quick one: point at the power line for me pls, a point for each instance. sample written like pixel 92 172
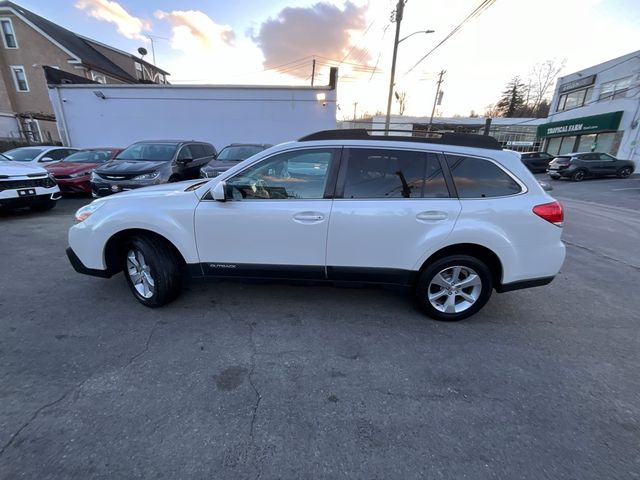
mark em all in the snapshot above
pixel 479 10
pixel 358 42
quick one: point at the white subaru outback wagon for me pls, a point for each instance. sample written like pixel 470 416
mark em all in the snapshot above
pixel 453 218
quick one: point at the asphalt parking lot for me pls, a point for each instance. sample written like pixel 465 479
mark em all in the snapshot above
pixel 278 381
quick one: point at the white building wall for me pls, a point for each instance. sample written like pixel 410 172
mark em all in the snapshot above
pixel 9 127
pixel 615 69
pixel 216 114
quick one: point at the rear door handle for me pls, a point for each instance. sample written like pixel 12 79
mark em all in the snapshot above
pixel 431 216
pixel 308 217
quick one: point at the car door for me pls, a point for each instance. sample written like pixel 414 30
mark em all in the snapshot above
pixel 608 164
pixel 185 160
pixel 542 161
pixel 275 220
pixel 56 155
pixel 391 206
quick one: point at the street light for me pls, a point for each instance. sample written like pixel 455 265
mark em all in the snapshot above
pixel 393 61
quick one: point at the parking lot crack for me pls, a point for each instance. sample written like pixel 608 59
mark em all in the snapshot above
pixel 258 396
pixel 600 254
pixel 76 388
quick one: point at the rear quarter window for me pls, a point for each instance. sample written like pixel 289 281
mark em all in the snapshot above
pixel 479 178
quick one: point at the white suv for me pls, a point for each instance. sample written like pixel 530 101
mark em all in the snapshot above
pixel 453 218
pixel 23 185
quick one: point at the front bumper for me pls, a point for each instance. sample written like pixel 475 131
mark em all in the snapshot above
pixel 103 188
pixel 74 185
pixel 12 199
pixel 80 267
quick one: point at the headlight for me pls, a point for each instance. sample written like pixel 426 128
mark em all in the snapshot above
pixel 50 181
pixel 147 176
pixel 80 174
pixel 88 210
pixel 94 176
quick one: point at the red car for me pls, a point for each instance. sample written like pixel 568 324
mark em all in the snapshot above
pixel 73 173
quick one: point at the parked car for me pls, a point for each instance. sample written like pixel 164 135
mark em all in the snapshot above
pixel 25 185
pixel 231 155
pixel 537 162
pixel 150 163
pixel 73 173
pixel 578 166
pixel 39 154
pixel 452 218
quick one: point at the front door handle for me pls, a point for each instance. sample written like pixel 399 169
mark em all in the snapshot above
pixel 308 217
pixel 431 216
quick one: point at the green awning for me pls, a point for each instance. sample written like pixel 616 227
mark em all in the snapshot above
pixel 605 122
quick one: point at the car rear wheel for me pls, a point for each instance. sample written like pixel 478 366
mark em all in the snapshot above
pixel 454 287
pixel 624 172
pixel 578 175
pixel 152 270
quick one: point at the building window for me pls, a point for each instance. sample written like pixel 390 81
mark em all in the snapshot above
pixel 574 99
pixel 139 73
pixel 32 130
pixel 8 35
pixel 615 89
pixel 20 78
pixel 98 77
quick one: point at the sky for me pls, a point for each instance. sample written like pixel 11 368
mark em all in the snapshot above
pixel 275 42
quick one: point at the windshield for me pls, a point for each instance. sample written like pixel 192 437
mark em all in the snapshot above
pixel 24 154
pixel 157 152
pixel 240 152
pixel 90 156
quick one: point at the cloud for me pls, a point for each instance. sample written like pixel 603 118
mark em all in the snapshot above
pixel 323 30
pixel 109 11
pixel 195 29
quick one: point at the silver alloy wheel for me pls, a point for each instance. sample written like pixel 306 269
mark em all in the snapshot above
pixel 454 289
pixel 578 176
pixel 625 172
pixel 140 274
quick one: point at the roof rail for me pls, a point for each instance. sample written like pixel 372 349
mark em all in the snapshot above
pixel 443 138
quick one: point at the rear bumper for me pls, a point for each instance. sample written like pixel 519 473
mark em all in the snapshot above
pixel 535 282
pixel 79 267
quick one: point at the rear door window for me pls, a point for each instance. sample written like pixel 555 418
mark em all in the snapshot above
pixel 479 178
pixel 198 151
pixel 386 173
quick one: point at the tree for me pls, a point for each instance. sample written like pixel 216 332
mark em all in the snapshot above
pixel 402 100
pixel 512 99
pixel 542 78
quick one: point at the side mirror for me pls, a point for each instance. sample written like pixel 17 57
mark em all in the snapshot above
pixel 46 159
pixel 219 191
pixel 185 160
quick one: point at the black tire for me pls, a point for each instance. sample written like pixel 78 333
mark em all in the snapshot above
pixel 44 206
pixel 578 175
pixel 173 179
pixel 624 172
pixel 164 267
pixel 428 274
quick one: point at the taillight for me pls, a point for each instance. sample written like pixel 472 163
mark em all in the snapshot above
pixel 551 212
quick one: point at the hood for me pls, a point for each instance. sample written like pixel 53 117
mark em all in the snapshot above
pixel 221 165
pixel 10 169
pixel 67 168
pixel 162 190
pixel 116 167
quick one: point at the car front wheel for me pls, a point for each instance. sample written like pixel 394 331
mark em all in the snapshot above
pixel 454 287
pixel 152 271
pixel 624 172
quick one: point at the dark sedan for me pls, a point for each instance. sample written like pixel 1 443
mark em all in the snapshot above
pixel 578 166
pixel 537 162
pixel 151 163
pixel 231 155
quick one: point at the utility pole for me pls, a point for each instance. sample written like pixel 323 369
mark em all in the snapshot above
pixel 355 106
pixel 398 17
pixel 435 100
pixel 313 70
